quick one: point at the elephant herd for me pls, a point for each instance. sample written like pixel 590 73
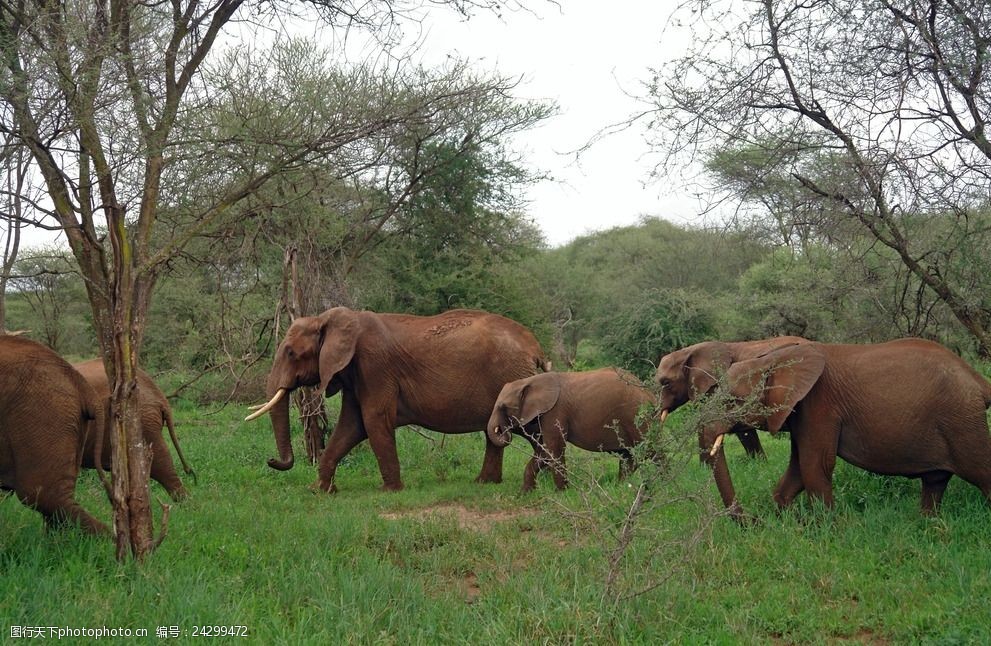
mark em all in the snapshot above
pixel 908 407
pixel 53 418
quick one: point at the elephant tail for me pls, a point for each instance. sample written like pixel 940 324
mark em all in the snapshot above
pixel 94 424
pixel 542 364
pixel 167 418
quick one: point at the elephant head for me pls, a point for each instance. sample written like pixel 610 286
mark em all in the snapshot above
pixel 519 403
pixel 316 349
pixel 774 383
pixel 690 372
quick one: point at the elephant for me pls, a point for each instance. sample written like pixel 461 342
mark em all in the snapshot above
pixel 47 410
pixel 441 372
pixel 691 372
pixel 594 410
pixel 908 407
pixel 155 411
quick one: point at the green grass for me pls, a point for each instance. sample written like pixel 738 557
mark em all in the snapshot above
pixel 450 561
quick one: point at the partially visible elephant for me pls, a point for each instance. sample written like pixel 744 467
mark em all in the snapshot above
pixel 692 372
pixel 155 411
pixel 594 410
pixel 442 372
pixel 47 410
pixel 908 407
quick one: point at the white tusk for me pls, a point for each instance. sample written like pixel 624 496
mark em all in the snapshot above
pixel 715 446
pixel 266 407
pixel 664 416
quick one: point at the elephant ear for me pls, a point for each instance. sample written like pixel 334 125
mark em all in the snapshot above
pixel 538 397
pixel 704 364
pixel 338 338
pixel 781 378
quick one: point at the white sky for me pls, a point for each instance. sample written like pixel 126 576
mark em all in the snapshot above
pixel 592 59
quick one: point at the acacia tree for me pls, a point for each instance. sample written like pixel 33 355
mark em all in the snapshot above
pixel 100 93
pixel 13 169
pixel 876 109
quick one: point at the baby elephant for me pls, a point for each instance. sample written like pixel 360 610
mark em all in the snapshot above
pixel 594 410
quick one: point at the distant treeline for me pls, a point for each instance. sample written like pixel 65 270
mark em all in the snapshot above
pixel 623 296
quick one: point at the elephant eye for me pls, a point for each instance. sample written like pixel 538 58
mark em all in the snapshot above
pixel 665 382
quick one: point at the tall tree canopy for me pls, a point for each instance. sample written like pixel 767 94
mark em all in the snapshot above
pixel 867 117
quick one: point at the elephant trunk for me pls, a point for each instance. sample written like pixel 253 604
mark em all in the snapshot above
pixel 279 414
pixel 498 434
pixel 714 455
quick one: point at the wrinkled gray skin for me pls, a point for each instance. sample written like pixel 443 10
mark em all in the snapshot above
pixel 908 407
pixel 691 372
pixel 154 411
pixel 46 412
pixel 441 372
pixel 594 410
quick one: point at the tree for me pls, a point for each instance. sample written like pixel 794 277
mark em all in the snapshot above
pixel 104 95
pixel 14 168
pixel 875 113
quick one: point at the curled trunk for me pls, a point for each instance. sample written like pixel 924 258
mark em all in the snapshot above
pixel 499 434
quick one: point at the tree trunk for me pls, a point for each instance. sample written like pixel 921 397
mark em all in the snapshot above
pixel 309 401
pixel 314 418
pixel 131 460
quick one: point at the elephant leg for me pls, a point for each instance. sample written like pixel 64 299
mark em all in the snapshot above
pixel 537 462
pixel 380 427
pixel 492 464
pixel 554 446
pixel 627 464
pixel 790 484
pixel 751 443
pixel 971 453
pixel 933 485
pixel 348 433
pixel 162 468
pixel 533 467
pixel 56 503
pixel 817 463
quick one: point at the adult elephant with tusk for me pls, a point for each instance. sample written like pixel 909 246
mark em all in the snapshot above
pixel 692 372
pixel 442 372
pixel 908 407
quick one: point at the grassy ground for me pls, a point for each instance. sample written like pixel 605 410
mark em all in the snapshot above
pixel 450 561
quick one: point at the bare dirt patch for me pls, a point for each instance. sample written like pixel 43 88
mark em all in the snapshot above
pixel 470 519
pixel 472 591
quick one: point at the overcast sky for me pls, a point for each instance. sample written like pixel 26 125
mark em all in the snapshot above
pixel 592 60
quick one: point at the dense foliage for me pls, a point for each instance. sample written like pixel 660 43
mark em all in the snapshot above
pixel 623 296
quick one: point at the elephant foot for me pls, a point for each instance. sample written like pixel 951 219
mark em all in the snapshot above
pixel 486 478
pixel 323 487
pixel 740 517
pixel 178 495
pixel 396 486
